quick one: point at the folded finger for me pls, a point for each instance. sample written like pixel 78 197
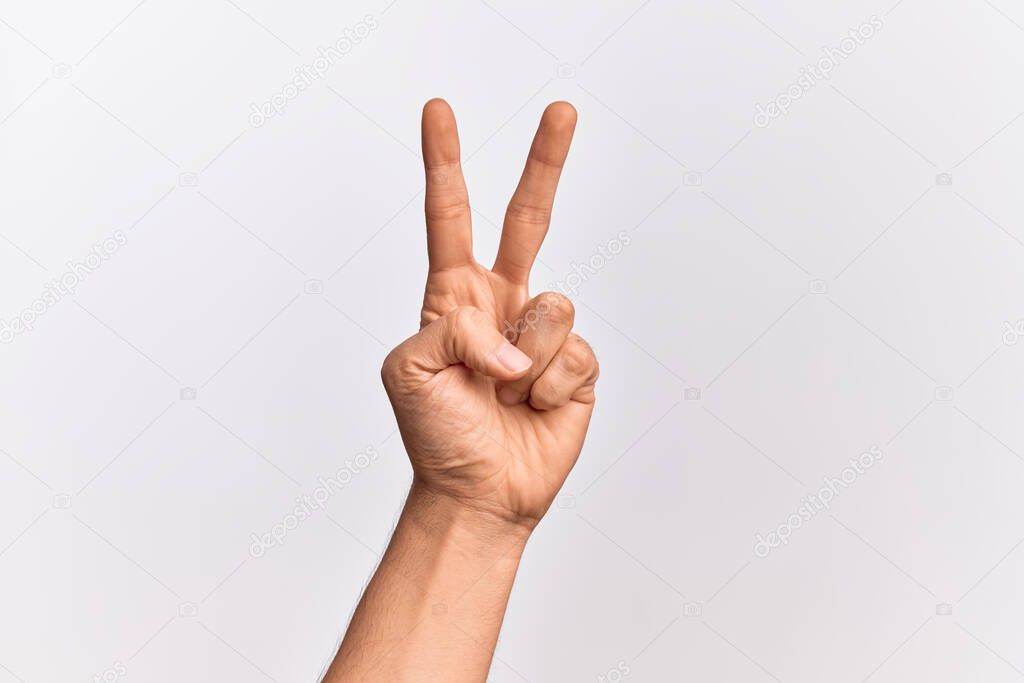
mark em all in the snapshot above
pixel 465 336
pixel 570 376
pixel 544 326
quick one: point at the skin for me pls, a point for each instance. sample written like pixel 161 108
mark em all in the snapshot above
pixel 493 397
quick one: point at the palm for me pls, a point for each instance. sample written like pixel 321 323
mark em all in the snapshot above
pixel 471 285
pixel 460 437
pixel 515 454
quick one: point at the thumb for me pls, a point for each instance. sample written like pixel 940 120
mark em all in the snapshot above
pixel 466 335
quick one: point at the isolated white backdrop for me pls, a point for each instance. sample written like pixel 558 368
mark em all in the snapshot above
pixel 790 296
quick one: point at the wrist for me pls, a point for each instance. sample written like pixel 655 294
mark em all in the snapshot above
pixel 473 528
pixel 438 597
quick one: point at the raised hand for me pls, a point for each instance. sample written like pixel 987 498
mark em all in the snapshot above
pixel 493 396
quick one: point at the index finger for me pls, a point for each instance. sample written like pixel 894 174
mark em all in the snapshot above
pixel 529 211
pixel 449 226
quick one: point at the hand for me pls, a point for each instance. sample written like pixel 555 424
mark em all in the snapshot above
pixel 494 395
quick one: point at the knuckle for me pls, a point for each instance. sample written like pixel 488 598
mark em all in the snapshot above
pixel 436 211
pixel 531 214
pixel 393 368
pixel 578 359
pixel 427 317
pixel 542 398
pixel 556 307
pixel 460 322
pixel 450 165
pixel 586 394
pixel 461 317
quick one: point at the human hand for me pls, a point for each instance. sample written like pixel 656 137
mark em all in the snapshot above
pixel 492 421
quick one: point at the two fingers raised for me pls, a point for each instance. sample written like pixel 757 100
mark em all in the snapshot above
pixel 449 219
pixel 547 366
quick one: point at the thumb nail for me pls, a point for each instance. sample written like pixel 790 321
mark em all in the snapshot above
pixel 512 359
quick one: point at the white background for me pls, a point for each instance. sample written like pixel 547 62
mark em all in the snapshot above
pixel 811 279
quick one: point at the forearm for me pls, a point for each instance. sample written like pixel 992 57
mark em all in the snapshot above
pixel 491 422
pixel 435 605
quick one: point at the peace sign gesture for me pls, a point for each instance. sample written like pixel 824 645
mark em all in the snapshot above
pixel 493 396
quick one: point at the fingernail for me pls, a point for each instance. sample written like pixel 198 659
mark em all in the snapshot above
pixel 512 358
pixel 508 396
